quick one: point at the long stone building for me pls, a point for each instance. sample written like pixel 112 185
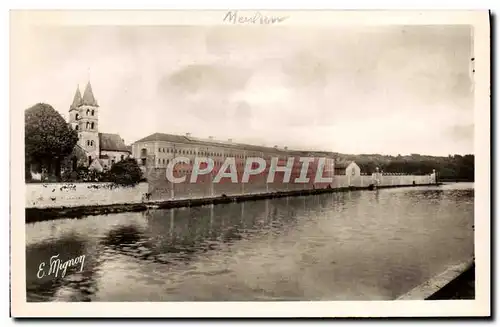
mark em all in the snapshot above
pixel 154 152
pixel 158 149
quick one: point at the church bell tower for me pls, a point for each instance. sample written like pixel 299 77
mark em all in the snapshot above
pixel 83 117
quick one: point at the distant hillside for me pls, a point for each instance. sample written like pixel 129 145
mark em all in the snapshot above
pixel 454 167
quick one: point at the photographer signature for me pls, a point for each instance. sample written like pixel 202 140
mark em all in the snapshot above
pixel 56 266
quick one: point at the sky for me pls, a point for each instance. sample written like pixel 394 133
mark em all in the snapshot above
pixel 379 89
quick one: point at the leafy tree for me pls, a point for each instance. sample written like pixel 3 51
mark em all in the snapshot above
pixel 125 173
pixel 48 138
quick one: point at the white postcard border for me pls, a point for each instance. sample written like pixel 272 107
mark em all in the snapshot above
pixel 478 307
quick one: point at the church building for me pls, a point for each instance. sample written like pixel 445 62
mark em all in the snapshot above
pixel 98 151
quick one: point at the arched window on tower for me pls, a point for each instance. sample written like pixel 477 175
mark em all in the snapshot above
pixel 76 127
pixel 77 116
pixel 92 125
pixel 92 112
pixel 88 110
pixel 88 124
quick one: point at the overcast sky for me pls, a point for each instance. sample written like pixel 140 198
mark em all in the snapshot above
pixel 390 90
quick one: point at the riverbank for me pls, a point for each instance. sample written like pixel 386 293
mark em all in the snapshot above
pixel 461 288
pixel 41 214
pixel 456 180
pixel 456 282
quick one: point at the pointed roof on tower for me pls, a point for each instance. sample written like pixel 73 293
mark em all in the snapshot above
pixel 77 99
pixel 88 96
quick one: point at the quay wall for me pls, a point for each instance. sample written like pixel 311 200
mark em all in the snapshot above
pixel 158 188
pixel 53 195
pixel 161 189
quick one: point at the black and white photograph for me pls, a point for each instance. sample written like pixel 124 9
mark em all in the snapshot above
pixel 248 159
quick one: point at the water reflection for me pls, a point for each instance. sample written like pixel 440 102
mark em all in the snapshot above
pixel 340 246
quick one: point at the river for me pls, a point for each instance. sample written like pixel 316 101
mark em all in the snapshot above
pixel 359 245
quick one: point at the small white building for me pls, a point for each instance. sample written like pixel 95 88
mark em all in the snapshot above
pixel 347 168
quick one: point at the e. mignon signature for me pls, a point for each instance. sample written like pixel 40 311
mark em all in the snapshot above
pixel 56 266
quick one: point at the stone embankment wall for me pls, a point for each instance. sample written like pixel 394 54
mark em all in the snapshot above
pixel 161 189
pixel 52 195
pixel 158 188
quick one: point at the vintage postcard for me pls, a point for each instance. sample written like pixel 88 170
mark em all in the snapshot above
pixel 242 163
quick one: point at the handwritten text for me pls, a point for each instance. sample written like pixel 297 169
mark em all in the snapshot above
pixel 57 267
pixel 235 18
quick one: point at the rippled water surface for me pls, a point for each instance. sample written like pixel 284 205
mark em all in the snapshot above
pixel 360 245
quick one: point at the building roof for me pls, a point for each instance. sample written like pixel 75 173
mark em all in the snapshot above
pixel 88 96
pixel 111 142
pixel 164 137
pixel 79 148
pixel 77 99
pixel 342 164
pixel 222 143
pixel 96 164
pixel 201 141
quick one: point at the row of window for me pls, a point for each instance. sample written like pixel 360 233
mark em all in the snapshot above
pixel 238 164
pixel 213 154
pixel 194 152
pixel 189 171
pixel 90 143
pixel 216 163
pixel 282 160
pixel 88 125
pixel 91 112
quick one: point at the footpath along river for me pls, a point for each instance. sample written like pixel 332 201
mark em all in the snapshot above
pixel 359 245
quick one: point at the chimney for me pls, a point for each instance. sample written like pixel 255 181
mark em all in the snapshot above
pixel 188 134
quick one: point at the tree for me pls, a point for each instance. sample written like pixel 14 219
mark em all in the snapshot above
pixel 48 138
pixel 125 173
pixel 453 167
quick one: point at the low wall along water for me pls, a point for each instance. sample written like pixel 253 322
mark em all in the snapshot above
pixel 161 189
pixel 158 188
pixel 52 195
